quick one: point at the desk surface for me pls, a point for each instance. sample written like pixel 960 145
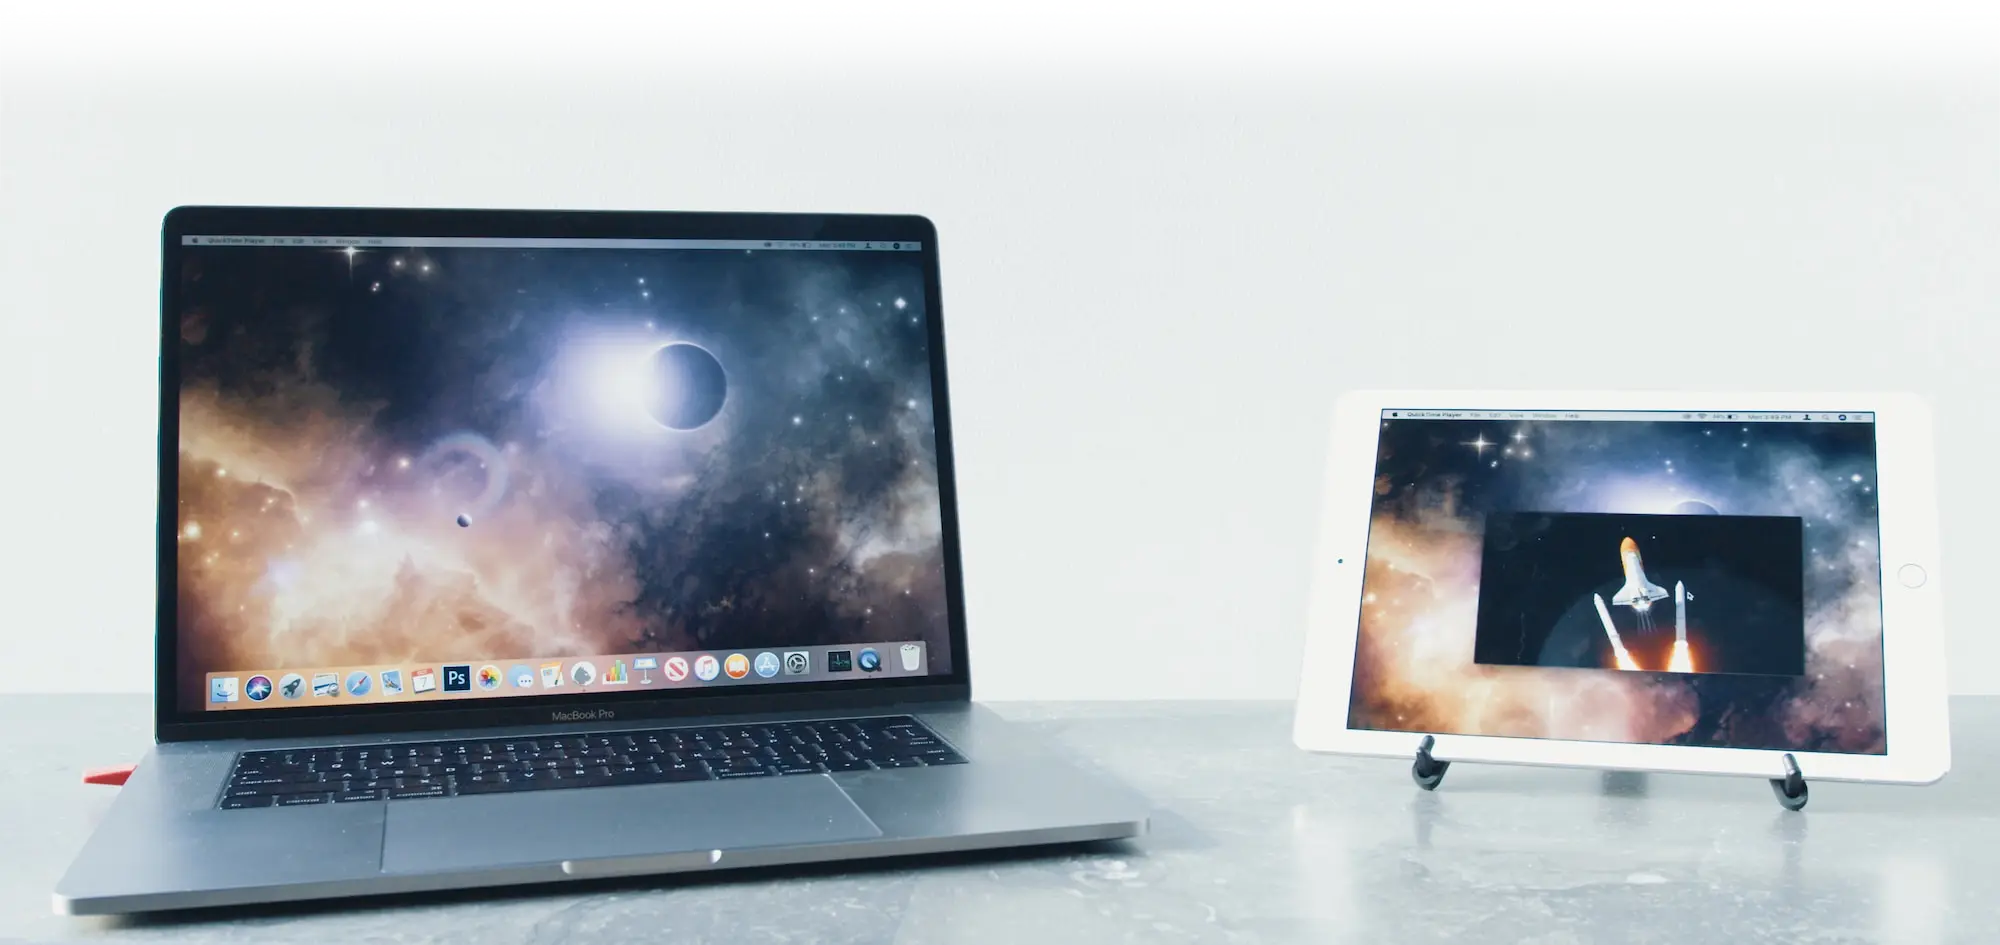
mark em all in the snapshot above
pixel 1253 841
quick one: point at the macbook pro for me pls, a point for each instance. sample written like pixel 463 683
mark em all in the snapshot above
pixel 504 547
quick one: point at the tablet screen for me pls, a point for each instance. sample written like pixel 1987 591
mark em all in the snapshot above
pixel 1702 579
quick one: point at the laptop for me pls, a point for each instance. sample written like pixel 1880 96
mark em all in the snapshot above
pixel 507 547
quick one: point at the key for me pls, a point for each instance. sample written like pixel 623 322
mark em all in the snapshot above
pixel 435 790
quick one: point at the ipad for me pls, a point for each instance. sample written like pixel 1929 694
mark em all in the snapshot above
pixel 1697 582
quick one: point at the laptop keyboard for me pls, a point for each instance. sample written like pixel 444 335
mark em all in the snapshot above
pixel 605 759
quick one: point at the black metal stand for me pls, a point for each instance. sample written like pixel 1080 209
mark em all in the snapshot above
pixel 1790 789
pixel 1428 772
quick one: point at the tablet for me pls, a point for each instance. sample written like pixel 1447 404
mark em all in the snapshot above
pixel 1697 582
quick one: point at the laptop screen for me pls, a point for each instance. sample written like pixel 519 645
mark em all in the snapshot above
pixel 1706 579
pixel 429 469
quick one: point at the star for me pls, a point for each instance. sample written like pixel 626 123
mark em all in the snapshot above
pixel 642 280
pixel 375 287
pixel 902 304
pixel 1479 444
pixel 645 295
pixel 1519 436
pixel 424 267
pixel 398 263
pixel 796 420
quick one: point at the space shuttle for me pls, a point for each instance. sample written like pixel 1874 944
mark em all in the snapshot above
pixel 1638 593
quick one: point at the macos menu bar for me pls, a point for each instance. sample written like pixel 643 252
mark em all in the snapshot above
pixel 1653 416
pixel 363 243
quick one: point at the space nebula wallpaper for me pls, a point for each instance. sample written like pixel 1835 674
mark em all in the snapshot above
pixel 401 455
pixel 1769 529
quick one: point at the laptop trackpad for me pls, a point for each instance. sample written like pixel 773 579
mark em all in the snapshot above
pixel 575 827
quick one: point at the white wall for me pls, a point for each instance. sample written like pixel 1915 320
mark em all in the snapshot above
pixel 1168 242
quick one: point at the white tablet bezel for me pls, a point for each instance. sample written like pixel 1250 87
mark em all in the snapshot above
pixel 1913 636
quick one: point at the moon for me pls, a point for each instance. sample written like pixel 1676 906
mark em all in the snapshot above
pixel 1692 507
pixel 464 521
pixel 688 386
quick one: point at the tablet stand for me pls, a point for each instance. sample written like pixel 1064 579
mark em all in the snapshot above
pixel 1790 790
pixel 1428 772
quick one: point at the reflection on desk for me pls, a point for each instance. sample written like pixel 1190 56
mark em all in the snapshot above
pixel 1253 841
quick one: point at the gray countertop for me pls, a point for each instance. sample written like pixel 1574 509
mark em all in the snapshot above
pixel 1253 841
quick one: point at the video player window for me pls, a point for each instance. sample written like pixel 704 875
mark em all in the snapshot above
pixel 1572 589
pixel 457 468
pixel 1648 577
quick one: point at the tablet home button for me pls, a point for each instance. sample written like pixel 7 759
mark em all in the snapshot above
pixel 1911 576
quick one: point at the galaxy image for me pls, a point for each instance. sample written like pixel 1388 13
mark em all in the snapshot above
pixel 1441 484
pixel 407 455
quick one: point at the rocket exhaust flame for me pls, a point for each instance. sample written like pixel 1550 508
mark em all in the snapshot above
pixel 1625 661
pixel 1680 662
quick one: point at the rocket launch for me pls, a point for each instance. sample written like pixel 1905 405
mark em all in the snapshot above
pixel 1625 660
pixel 1680 661
pixel 1639 594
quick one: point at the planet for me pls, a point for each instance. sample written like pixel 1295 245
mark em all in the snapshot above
pixel 465 521
pixel 1691 507
pixel 688 386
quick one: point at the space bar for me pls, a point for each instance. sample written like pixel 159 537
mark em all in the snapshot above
pixel 550 784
